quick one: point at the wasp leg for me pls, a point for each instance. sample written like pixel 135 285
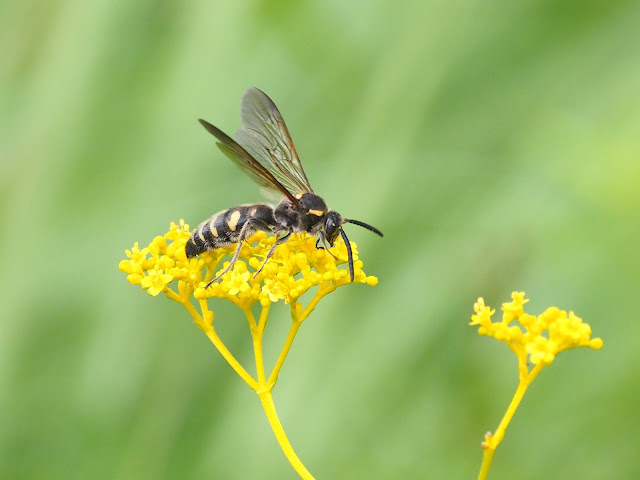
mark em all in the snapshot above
pixel 326 247
pixel 244 234
pixel 271 251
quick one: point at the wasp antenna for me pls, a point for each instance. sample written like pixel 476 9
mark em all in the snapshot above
pixel 365 225
pixel 350 255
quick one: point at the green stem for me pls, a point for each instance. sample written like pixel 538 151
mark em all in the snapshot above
pixel 296 321
pixel 492 441
pixel 215 339
pixel 273 377
pixel 256 335
pixel 270 410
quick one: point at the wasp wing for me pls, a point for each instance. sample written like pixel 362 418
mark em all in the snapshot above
pixel 238 155
pixel 265 136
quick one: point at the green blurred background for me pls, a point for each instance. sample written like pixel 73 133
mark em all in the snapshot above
pixel 496 145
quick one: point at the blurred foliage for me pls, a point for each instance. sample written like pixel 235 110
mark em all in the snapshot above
pixel 495 144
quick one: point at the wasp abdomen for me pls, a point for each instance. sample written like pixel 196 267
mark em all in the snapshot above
pixel 225 228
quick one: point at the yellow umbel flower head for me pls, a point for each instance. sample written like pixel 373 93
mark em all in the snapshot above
pixel 540 338
pixel 296 266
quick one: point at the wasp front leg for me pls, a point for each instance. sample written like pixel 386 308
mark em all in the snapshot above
pixel 326 247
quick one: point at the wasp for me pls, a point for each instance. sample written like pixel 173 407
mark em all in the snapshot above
pixel 264 150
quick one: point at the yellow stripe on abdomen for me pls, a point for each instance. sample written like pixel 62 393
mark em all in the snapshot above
pixel 233 220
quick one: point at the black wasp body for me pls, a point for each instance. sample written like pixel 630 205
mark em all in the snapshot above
pixel 265 151
pixel 224 228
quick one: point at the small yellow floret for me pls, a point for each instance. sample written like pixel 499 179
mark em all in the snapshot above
pixel 137 262
pixel 515 308
pixel 155 281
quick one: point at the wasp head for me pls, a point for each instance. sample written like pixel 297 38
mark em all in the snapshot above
pixel 333 223
pixel 332 226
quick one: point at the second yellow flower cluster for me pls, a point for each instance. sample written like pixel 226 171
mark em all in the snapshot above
pixel 540 338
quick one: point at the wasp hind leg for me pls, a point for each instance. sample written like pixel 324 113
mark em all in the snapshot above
pixel 244 234
pixel 271 252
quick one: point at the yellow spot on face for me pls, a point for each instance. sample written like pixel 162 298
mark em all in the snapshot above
pixel 317 213
pixel 299 195
pixel 253 212
pixel 233 220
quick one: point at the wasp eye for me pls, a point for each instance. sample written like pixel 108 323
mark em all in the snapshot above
pixel 332 227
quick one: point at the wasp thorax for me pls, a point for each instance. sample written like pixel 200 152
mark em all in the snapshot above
pixel 308 217
pixel 313 211
pixel 286 214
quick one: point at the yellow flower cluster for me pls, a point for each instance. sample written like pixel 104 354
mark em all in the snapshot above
pixel 296 266
pixel 540 338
